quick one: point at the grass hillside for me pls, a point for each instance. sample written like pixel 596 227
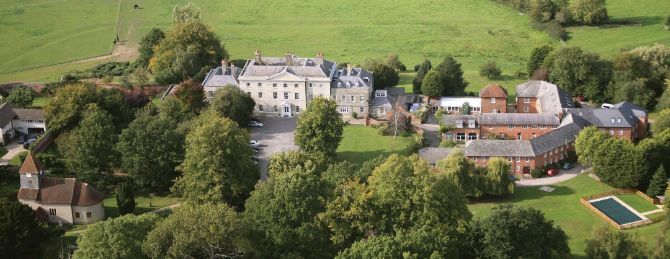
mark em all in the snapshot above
pixel 474 31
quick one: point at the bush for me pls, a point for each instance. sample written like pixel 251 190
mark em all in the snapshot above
pixel 107 79
pixel 417 66
pixel 536 172
pixel 354 115
pixel 383 130
pixel 554 29
pixel 490 70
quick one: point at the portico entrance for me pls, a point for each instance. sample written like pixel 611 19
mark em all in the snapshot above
pixel 286 110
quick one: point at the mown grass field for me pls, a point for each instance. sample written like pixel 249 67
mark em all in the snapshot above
pixel 360 144
pixel 563 207
pixel 474 31
pixel 637 202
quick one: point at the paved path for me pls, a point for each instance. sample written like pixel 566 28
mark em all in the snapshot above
pixel 651 212
pixel 431 132
pixel 561 177
pixel 13 149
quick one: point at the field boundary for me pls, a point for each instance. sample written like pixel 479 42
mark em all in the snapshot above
pixel 585 200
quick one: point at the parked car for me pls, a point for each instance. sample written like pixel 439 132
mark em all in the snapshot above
pixel 254 143
pixel 21 139
pixel 27 144
pixel 256 149
pixel 256 120
pixel 607 106
pixel 568 166
pixel 552 171
pixel 255 124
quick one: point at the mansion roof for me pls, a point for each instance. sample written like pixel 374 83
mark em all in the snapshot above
pixel 552 99
pixel 221 76
pixel 301 67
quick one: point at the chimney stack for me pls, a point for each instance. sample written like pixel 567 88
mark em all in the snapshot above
pixel 258 57
pixel 289 58
pixel 319 58
pixel 224 65
pixel 349 69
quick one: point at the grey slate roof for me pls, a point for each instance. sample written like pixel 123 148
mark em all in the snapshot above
pixel 304 67
pixel 216 77
pixel 606 118
pixel 566 133
pixel 464 120
pixel 6 113
pixel 552 98
pixel 357 78
pixel 518 119
pixel 629 108
pixel 499 148
pixel 391 94
pixel 434 154
pixel 29 114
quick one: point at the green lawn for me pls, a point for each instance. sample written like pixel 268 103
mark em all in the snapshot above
pixel 636 202
pixel 40 102
pixel 38 33
pixel 16 160
pixel 361 143
pixel 563 207
pixel 143 204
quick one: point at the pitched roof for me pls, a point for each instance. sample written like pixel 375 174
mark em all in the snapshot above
pixel 30 165
pixel 493 90
pixel 552 99
pixel 304 67
pixel 217 78
pixel 630 108
pixel 6 114
pixel 357 78
pixel 518 119
pixel 606 118
pixel 85 195
pixel 499 148
pixel 460 120
pixel 434 154
pixel 556 138
pixel 29 114
pixel 62 191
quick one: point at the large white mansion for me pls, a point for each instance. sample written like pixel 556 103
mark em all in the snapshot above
pixel 285 85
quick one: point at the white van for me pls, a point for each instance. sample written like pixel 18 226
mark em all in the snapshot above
pixel 607 106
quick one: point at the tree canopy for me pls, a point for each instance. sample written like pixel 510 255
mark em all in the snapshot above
pixel 420 74
pixel 431 84
pixel 147 44
pixel 451 77
pixel 537 57
pixel 590 12
pixel 385 76
pixel 230 101
pixel 614 244
pixel 125 198
pixel 120 237
pixel 579 72
pixel 20 233
pixel 198 231
pixel 661 122
pixel 187 48
pixel 21 96
pixel 191 94
pixel 320 128
pixel 217 166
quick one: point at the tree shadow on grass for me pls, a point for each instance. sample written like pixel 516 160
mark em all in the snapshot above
pixel 360 157
pixel 524 194
pixel 633 21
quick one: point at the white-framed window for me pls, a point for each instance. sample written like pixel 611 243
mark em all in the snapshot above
pixel 620 132
pixel 260 94
pixel 285 95
pixel 295 85
pixel 297 96
pixel 344 109
pixel 344 98
pixel 361 109
pixel 285 85
pixel 527 159
pixel 52 212
pixel 88 214
pixel 525 126
pixel 518 159
pixel 353 98
pixel 274 95
pixel 260 107
pixel 476 109
pixel 362 98
pixel 533 126
pixel 297 109
pixel 543 126
pixel 493 100
pixel 275 108
pixel 510 126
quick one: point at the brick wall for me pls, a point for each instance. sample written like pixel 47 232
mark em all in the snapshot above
pixel 526 131
pixel 500 105
pixel 526 105
pixel 520 165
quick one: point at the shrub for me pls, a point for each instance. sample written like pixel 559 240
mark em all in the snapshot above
pixel 354 115
pixel 383 130
pixel 490 70
pixel 536 172
pixel 107 79
pixel 417 66
pixel 447 143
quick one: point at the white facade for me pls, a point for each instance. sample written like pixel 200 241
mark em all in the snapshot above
pixel 455 104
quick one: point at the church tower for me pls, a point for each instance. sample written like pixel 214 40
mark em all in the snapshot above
pixel 30 173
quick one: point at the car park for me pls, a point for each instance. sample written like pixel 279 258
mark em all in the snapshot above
pixel 254 143
pixel 568 166
pixel 552 171
pixel 256 124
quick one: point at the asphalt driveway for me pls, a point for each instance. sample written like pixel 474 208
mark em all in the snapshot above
pixel 276 135
pixel 13 149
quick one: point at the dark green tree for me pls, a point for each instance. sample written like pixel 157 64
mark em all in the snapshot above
pixel 614 244
pixel 420 74
pixel 283 214
pixel 431 85
pixel 21 96
pixel 462 172
pixel 537 57
pixel 394 61
pixel 120 237
pixel 587 143
pixel 663 102
pixel 515 232
pixel 590 12
pixel 490 70
pixel 619 163
pixel 151 148
pixel 199 231
pixel 574 70
pixel 542 10
pixel 186 49
pixel 497 178
pixel 230 101
pixel 217 166
pixel 88 150
pixel 20 233
pixel 285 161
pixel 420 242
pixel 125 198
pixel 191 94
pixel 658 184
pixel 320 128
pixel 451 76
pixel 147 44
pixel 385 76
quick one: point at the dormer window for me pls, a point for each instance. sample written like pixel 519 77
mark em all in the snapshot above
pixel 366 79
pixel 618 120
pixel 612 120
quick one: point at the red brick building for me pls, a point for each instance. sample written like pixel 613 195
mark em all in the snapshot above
pixel 493 99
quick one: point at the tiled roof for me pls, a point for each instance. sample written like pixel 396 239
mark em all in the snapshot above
pixel 499 148
pixel 493 90
pixel 630 108
pixel 556 138
pixel 30 165
pixel 518 119
pixel 552 99
pixel 606 118
pixel 434 154
pixel 304 67
pixel 29 114
pixel 217 78
pixel 85 195
pixel 56 190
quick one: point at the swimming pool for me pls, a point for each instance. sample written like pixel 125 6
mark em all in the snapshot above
pixel 613 208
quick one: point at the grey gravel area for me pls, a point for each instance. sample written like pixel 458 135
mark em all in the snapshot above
pixel 276 135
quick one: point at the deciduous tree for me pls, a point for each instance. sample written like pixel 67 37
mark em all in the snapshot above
pixel 120 237
pixel 661 122
pixel 217 166
pixel 574 70
pixel 147 44
pixel 199 231
pixel 490 70
pixel 385 76
pixel 658 184
pixel 320 128
pixel 21 96
pixel 537 57
pixel 394 61
pixel 614 244
pixel 191 94
pixel 590 12
pixel 230 101
pixel 498 177
pixel 20 233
